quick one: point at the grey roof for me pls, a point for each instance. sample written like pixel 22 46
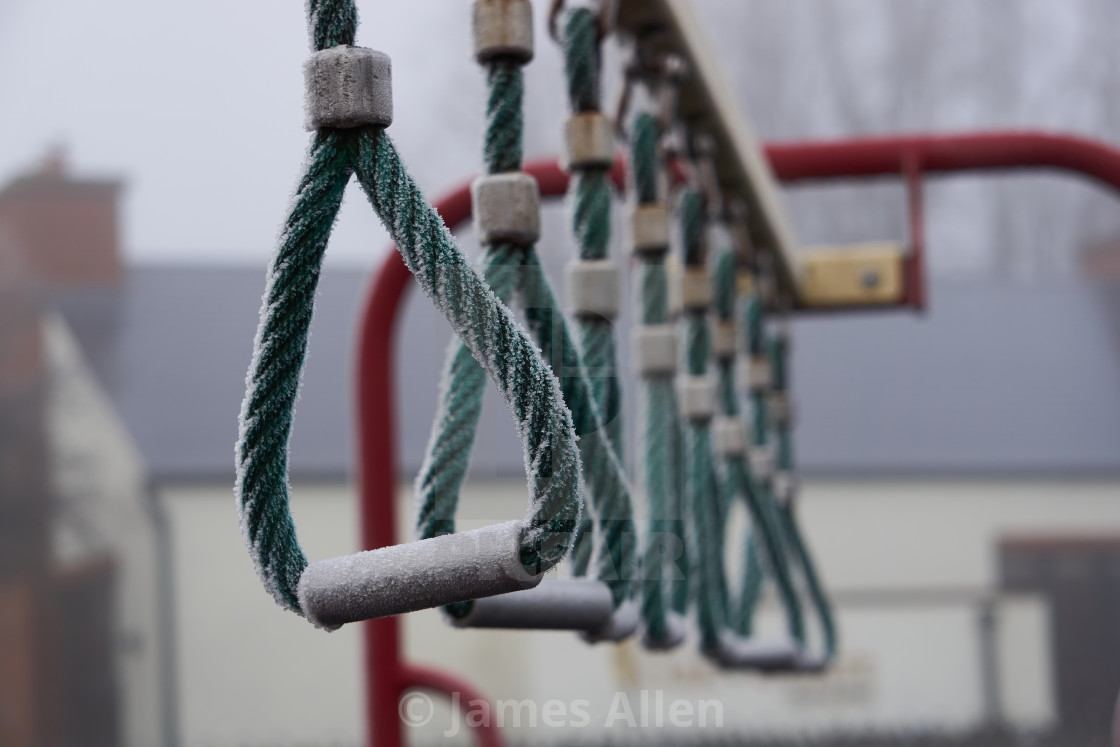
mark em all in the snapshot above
pixel 173 347
pixel 994 378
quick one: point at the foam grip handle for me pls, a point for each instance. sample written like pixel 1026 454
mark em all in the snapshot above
pixel 676 631
pixel 556 604
pixel 811 663
pixel 415 576
pixel 765 654
pixel 623 623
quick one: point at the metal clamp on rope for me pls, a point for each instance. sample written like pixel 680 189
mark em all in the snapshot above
pixel 785 487
pixel 348 87
pixel 556 604
pixel 729 438
pixel 416 575
pixel 655 349
pixel 697 397
pixel 649 225
pixel 502 28
pixel 754 375
pixel 696 289
pixel 589 137
pixel 766 655
pixel 723 339
pixel 762 463
pixel 781 409
pixel 593 288
pixel 676 630
pixel 507 208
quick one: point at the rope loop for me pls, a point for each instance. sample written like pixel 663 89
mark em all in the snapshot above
pixel 483 323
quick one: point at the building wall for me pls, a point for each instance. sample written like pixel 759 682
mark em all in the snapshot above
pixel 911 564
pixel 66 229
pixel 101 515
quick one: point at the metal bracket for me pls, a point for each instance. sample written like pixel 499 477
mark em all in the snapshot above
pixel 862 275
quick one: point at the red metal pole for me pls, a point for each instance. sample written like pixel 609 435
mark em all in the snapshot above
pixel 916 263
pixel 463 696
pixel 988 151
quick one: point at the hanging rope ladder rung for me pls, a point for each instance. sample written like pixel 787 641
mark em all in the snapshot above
pixel 349 104
pixel 507 220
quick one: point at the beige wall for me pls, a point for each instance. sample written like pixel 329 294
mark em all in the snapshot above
pixel 253 674
pixel 100 492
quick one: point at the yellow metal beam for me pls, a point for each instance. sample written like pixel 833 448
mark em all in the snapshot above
pixel 708 105
pixel 853 276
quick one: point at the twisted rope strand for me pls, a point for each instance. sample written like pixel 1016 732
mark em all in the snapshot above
pixel 603 471
pixel 487 327
pixel 700 485
pixel 765 540
pixel 665 559
pixel 272 387
pixel 331 23
pixel 454 432
pixel 779 356
pixel 592 199
pixel 489 330
pixel 447 460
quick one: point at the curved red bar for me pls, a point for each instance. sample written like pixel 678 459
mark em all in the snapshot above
pixel 987 151
pixel 465 697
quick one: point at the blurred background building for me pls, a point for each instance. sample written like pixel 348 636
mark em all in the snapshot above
pixel 962 467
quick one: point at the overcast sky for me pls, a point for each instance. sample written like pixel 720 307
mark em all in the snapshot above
pixel 198 104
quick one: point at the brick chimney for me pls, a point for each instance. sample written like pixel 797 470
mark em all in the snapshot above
pixel 66 228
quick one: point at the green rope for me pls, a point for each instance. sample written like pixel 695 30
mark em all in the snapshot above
pixel 703 498
pixel 441 477
pixel 447 460
pixel 532 393
pixel 766 538
pixel 603 470
pixel 751 593
pixel 279 353
pixel 779 356
pixel 445 469
pixel 581 59
pixel 591 200
pixel 445 466
pixel 711 599
pixel 665 558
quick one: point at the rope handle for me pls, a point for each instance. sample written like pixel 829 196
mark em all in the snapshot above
pixel 512 265
pixel 765 543
pixel 666 554
pixel 485 325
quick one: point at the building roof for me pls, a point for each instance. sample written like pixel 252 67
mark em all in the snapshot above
pixel 993 379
